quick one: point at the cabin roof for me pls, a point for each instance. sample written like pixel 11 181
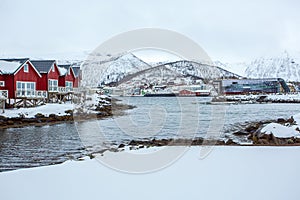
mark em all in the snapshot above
pixel 43 66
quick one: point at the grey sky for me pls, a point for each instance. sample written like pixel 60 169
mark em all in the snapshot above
pixel 227 30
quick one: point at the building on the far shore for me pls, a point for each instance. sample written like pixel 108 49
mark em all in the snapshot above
pixel 251 86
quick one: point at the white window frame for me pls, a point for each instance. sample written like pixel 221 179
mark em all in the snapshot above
pixel 26 68
pixel 69 86
pixel 27 88
pixel 51 85
pixel 2 83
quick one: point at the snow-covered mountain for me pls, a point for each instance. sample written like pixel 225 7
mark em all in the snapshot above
pixel 204 71
pixel 281 66
pixel 112 69
pixel 126 66
pixel 238 68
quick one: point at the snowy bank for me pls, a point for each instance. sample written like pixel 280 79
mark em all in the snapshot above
pixel 268 98
pixel 286 130
pixel 226 173
pixel 47 109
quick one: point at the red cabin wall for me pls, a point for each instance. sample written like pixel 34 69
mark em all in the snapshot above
pixel 2 78
pixel 61 81
pixel 76 82
pixel 8 84
pixel 30 76
pixel 43 82
pixel 68 77
pixel 55 74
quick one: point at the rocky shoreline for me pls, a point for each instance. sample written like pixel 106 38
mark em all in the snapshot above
pixel 250 99
pixel 114 109
pixel 252 131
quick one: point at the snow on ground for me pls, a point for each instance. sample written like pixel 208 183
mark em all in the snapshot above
pixel 281 131
pixel 226 173
pixel 52 108
pixel 284 96
pixel 284 131
pixel 275 97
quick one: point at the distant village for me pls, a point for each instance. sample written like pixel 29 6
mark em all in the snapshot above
pixel 26 83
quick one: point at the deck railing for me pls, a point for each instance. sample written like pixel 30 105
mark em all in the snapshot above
pixel 65 90
pixel 31 94
pixel 3 94
pixel 53 89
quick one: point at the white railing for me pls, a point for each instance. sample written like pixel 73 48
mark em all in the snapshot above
pixel 41 94
pixel 76 90
pixel 65 89
pixel 3 94
pixel 53 89
pixel 31 94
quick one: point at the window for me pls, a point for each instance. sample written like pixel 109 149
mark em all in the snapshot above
pixel 2 83
pixel 69 86
pixel 26 68
pixel 53 85
pixel 25 88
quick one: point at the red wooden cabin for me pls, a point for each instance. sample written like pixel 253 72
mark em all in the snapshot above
pixel 66 79
pixel 50 76
pixel 77 76
pixel 20 78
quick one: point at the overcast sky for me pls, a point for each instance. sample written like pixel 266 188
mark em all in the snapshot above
pixel 227 30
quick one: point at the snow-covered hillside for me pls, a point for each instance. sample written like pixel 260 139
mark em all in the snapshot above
pixel 238 68
pixel 113 69
pixel 127 66
pixel 278 67
pixel 281 66
pixel 196 69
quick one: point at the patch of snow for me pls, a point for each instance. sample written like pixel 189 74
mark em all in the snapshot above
pixel 238 68
pixel 62 71
pixel 226 173
pixel 7 67
pixel 53 108
pixel 281 131
pixel 284 131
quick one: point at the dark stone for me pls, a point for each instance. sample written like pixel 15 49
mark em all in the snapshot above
pixel 39 115
pixel 252 128
pixel 241 133
pixel 52 115
pixel 69 112
pixel 281 120
pixel 274 140
pixel 263 141
pixel 10 122
pixel 230 142
pixel 121 146
pixel 291 120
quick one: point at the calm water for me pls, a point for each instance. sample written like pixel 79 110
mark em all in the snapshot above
pixel 161 117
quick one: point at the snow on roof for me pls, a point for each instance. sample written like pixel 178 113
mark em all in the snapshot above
pixel 7 67
pixel 62 70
